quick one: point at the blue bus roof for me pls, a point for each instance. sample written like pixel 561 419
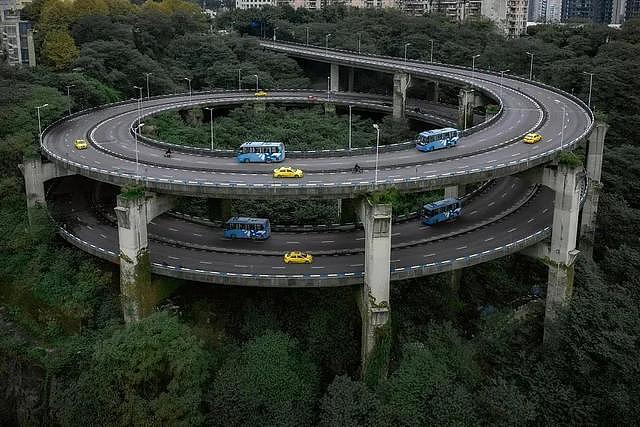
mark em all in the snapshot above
pixel 260 144
pixel 440 203
pixel 247 220
pixel 436 131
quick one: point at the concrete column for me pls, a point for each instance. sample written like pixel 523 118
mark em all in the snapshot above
pixel 436 92
pixel 454 191
pixel 33 182
pixel 375 292
pixel 594 172
pixel 219 209
pixel 562 253
pixel 351 79
pixel 134 212
pixel 401 82
pixel 335 78
pixel 466 102
pixel 35 174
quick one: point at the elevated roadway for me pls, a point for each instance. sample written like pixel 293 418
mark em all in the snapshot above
pixel 488 152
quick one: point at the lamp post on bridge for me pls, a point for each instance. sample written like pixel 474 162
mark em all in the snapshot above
pixel 431 55
pixel 501 78
pixel 377 128
pixel 326 42
pixel 211 123
pixel 473 62
pixel 349 127
pixel 530 66
pixel 590 86
pixel 39 123
pixel 147 76
pixel 69 97
pixel 564 112
pixel 406 45
pixel 257 81
pixel 307 30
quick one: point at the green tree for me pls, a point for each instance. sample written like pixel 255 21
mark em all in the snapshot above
pixel 150 372
pixel 60 49
pixel 270 383
pixel 348 403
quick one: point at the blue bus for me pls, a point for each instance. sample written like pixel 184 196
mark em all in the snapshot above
pixel 240 227
pixel 442 210
pixel 437 139
pixel 261 152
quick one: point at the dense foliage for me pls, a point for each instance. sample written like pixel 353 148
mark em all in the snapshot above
pixel 275 356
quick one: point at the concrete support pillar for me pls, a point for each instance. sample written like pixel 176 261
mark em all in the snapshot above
pixel 335 78
pixel 436 92
pixel 138 297
pixel 454 191
pixel 466 102
pixel 401 82
pixel 562 253
pixel 374 305
pixel 219 209
pixel 33 182
pixel 351 79
pixel 594 172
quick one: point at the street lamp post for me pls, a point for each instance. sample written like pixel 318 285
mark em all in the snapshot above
pixel 307 29
pixel 328 88
pixel 349 127
pixel 406 45
pixel 326 42
pixel 473 62
pixel 211 124
pixel 377 128
pixel 139 103
pixel 431 56
pixel 147 76
pixel 39 123
pixel 69 97
pixel 590 86
pixel 359 35
pixel 274 35
pixel 189 81
pixel 256 76
pixel 530 66
pixel 564 112
pixel 239 83
pixel 502 77
pixel 135 133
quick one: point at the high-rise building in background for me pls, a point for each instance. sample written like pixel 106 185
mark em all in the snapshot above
pixel 632 9
pixel 16 35
pixel 597 11
pixel 510 16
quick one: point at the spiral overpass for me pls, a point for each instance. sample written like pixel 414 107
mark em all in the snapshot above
pixel 505 217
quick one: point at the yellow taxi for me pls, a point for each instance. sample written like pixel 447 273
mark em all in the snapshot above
pixel 287 172
pixel 532 138
pixel 261 93
pixel 80 144
pixel 296 257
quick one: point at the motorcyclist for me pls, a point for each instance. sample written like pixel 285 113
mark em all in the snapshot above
pixel 168 152
pixel 357 168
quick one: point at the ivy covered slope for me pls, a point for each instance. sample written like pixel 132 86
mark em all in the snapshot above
pixel 223 356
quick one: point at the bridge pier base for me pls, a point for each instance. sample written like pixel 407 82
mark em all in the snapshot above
pixel 218 209
pixel 594 172
pixel 35 174
pixel 335 78
pixel 401 82
pixel 466 103
pixel 374 301
pixel 138 295
pixel 562 251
